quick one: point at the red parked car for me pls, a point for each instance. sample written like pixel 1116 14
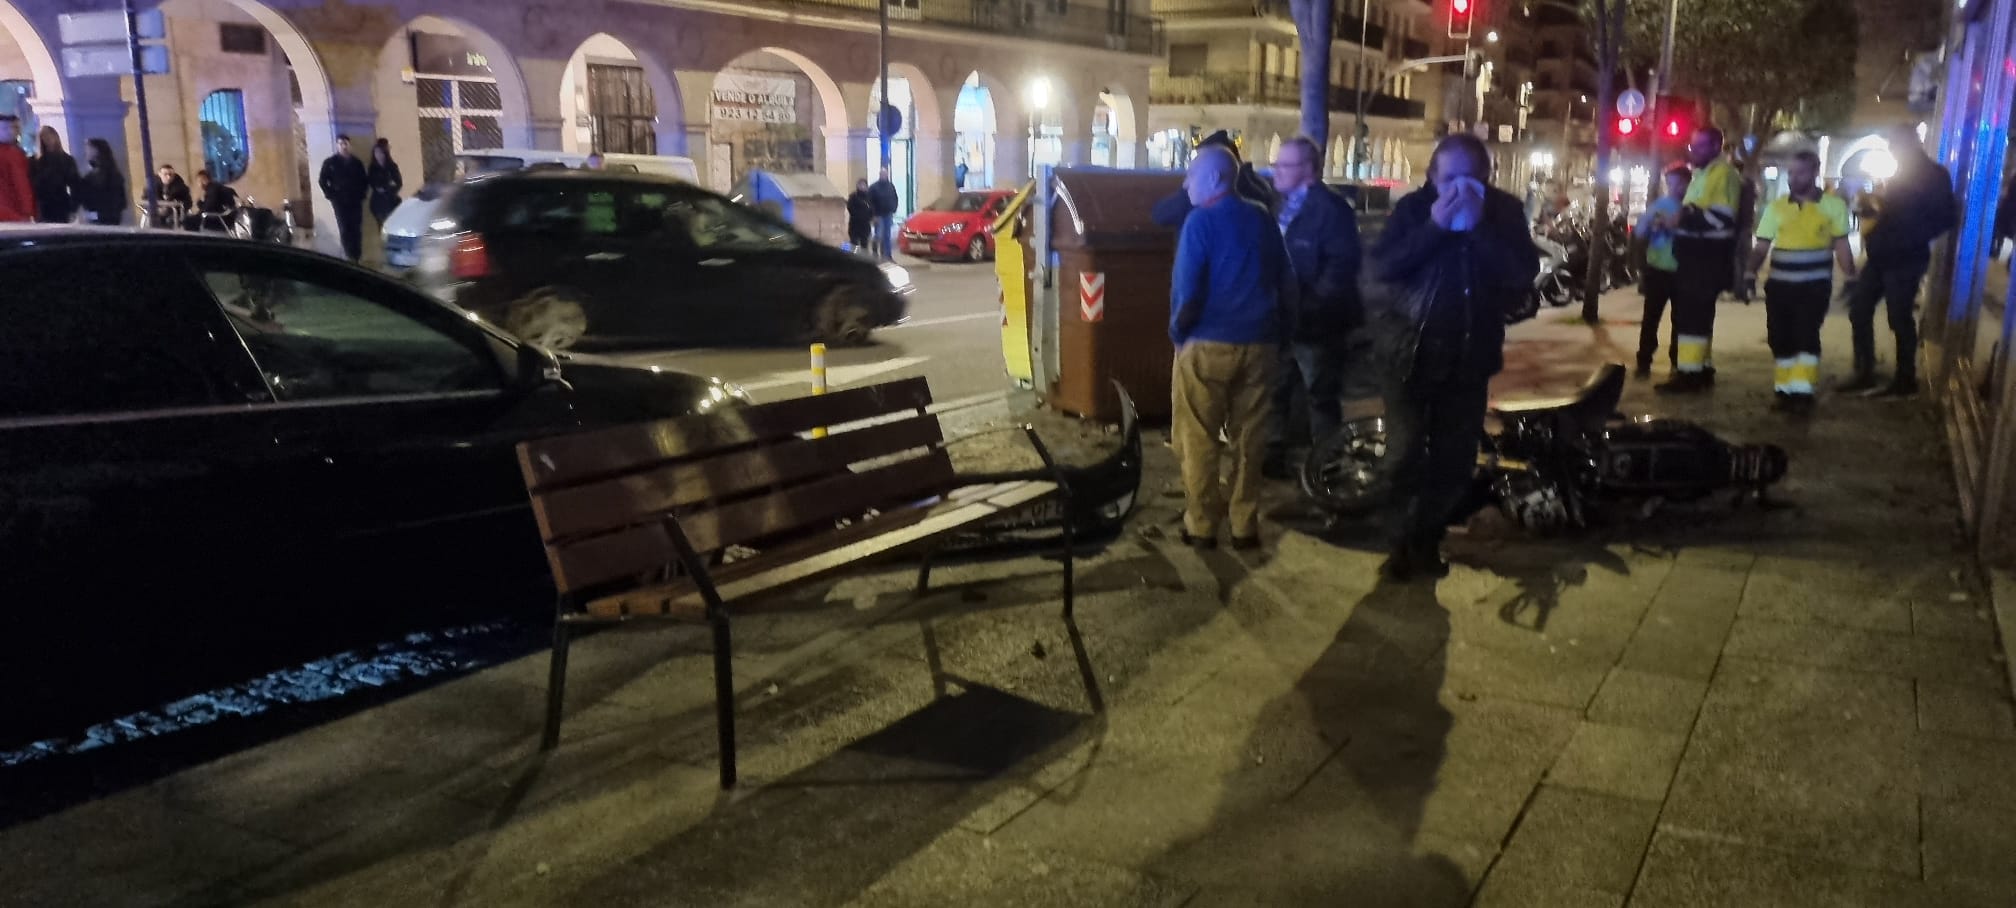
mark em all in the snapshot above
pixel 955 227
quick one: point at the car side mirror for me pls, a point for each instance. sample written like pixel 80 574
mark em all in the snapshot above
pixel 538 367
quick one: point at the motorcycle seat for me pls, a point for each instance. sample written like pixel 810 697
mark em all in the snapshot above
pixel 1591 404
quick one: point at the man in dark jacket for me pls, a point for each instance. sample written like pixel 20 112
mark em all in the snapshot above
pixel 1454 255
pixel 1247 185
pixel 345 184
pixel 882 196
pixel 860 218
pixel 1321 236
pixel 1916 207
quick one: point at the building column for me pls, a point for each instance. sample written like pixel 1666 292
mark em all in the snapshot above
pixel 700 147
pixel 549 132
pixel 937 154
pixel 848 157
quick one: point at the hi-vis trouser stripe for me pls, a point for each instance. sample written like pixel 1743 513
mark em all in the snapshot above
pixel 1797 374
pixel 1802 265
pixel 1693 353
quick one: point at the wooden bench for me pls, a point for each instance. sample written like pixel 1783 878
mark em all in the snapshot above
pixel 680 518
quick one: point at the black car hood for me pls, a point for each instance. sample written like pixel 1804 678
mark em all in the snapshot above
pixel 610 391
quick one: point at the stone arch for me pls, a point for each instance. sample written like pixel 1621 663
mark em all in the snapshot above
pixel 398 109
pixel 838 144
pixel 831 100
pixel 920 152
pixel 1854 151
pixel 42 68
pixel 1126 125
pixel 669 114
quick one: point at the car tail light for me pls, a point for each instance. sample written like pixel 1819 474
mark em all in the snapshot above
pixel 470 259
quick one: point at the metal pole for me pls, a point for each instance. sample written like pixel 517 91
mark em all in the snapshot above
pixel 139 92
pixel 1661 85
pixel 881 122
pixel 1358 129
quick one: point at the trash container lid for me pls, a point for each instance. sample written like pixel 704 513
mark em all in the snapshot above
pixel 763 185
pixel 1098 208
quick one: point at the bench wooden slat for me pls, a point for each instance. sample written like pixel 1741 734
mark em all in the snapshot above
pixel 613 503
pixel 595 560
pixel 811 559
pixel 816 502
pixel 567 459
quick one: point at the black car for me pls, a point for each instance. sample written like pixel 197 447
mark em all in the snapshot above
pixel 218 457
pixel 559 257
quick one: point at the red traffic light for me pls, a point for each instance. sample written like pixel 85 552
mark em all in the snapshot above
pixel 1459 18
pixel 1626 126
pixel 1673 129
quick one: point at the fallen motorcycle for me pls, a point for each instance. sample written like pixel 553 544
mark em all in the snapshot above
pixel 1550 462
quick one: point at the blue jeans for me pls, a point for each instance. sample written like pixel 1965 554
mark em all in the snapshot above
pixel 885 229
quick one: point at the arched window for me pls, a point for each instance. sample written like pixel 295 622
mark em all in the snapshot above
pixel 227 145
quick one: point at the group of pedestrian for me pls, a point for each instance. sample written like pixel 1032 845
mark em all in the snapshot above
pixel 871 217
pixel 349 184
pixel 1264 294
pixel 1803 235
pixel 49 188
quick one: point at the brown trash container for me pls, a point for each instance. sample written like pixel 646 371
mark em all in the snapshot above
pixel 1113 273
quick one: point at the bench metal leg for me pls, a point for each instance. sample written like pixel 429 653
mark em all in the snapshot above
pixel 924 573
pixel 556 686
pixel 1069 544
pixel 724 700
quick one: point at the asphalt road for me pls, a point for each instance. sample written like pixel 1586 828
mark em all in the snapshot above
pixel 953 338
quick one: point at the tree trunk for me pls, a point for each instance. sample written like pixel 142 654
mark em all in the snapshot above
pixel 1609 35
pixel 1314 20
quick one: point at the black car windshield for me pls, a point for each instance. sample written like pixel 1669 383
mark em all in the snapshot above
pixel 965 201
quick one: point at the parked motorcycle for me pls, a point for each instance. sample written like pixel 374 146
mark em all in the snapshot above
pixel 1551 462
pixel 1623 266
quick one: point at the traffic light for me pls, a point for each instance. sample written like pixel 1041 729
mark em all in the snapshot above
pixel 1677 119
pixel 1459 18
pixel 1627 127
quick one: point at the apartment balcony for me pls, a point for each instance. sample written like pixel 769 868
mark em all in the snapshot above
pixel 1271 91
pixel 1080 24
pixel 1222 9
pixel 1413 50
pixel 1348 29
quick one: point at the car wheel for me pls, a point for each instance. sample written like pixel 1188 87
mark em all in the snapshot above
pixel 843 319
pixel 976 251
pixel 551 317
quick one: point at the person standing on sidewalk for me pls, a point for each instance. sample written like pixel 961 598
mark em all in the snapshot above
pixel 1805 235
pixel 1454 257
pixel 861 219
pixel 345 184
pixel 17 192
pixel 883 197
pixel 1230 285
pixel 1917 206
pixel 385 181
pixel 102 191
pixel 1321 236
pixel 1656 281
pixel 1704 246
pixel 54 174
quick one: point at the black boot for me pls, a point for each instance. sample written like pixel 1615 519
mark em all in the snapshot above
pixel 1683 383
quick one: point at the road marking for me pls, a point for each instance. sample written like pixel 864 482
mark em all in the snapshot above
pixel 836 376
pixel 945 320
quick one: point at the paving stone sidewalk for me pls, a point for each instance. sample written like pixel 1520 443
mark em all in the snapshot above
pixel 1706 707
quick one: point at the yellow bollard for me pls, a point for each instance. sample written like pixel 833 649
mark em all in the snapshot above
pixel 819 380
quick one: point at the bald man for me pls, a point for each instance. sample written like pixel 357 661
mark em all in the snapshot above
pixel 1230 286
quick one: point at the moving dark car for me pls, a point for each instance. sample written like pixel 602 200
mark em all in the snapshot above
pixel 218 457
pixel 560 257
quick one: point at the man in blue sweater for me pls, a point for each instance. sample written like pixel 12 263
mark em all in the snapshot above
pixel 1231 283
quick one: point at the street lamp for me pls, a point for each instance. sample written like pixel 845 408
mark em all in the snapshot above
pixel 1038 95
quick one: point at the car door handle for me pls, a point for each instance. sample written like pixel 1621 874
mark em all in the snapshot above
pixel 606 257
pixel 716 263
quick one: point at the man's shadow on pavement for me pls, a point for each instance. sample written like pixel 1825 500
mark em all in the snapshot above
pixel 1349 833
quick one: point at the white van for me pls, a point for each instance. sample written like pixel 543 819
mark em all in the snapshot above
pixel 410 220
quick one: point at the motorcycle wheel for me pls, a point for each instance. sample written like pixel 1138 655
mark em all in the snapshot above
pixel 1347 472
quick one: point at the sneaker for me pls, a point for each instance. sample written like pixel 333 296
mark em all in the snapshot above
pixel 1860 383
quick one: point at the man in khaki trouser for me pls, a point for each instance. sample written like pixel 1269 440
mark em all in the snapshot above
pixel 1226 297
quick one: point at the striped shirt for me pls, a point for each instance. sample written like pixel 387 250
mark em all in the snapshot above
pixel 1802 233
